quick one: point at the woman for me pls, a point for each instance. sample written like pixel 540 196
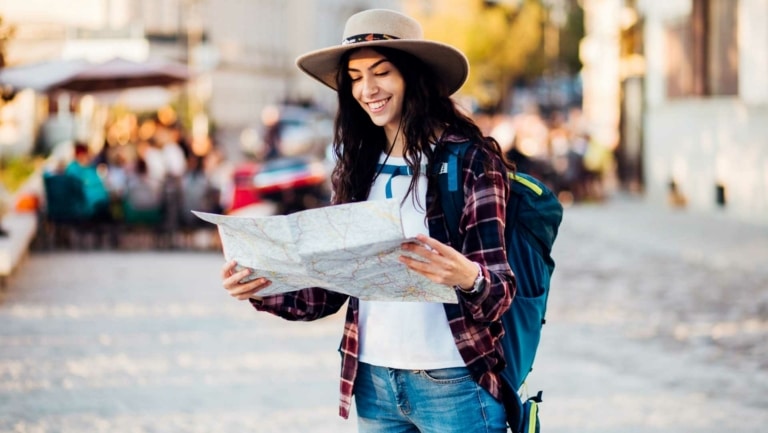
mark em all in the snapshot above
pixel 412 367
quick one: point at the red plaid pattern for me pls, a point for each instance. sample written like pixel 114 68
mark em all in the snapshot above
pixel 476 320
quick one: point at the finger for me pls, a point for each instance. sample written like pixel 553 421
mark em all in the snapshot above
pixel 430 270
pixel 414 264
pixel 422 250
pixel 239 282
pixel 245 296
pixel 438 268
pixel 227 269
pixel 233 279
pixel 437 262
pixel 436 245
pixel 249 287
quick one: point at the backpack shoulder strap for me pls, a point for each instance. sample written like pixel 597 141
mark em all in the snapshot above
pixel 540 215
pixel 449 159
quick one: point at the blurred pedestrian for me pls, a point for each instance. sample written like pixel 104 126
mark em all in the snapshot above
pixel 168 139
pixel 97 198
pixel 149 150
pixel 143 200
pixel 198 194
pixel 412 366
pixel 175 163
pixel 270 118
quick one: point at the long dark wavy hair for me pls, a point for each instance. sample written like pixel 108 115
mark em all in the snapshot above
pixel 427 109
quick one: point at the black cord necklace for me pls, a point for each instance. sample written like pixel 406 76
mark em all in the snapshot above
pixel 389 152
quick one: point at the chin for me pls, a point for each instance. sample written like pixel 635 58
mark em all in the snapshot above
pixel 378 121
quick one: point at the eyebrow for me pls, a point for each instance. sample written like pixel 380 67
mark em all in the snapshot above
pixel 384 59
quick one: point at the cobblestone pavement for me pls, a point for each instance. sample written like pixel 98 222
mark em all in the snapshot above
pixel 657 322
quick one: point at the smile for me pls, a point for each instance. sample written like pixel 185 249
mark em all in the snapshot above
pixel 377 105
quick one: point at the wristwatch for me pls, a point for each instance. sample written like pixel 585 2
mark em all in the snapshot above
pixel 477 285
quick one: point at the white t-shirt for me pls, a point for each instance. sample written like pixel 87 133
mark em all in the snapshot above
pixel 406 335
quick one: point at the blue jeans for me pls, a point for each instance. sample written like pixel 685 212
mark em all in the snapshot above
pixel 446 400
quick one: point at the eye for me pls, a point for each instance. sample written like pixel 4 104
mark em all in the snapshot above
pixel 381 73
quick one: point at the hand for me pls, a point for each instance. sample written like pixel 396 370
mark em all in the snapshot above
pixel 237 289
pixel 440 263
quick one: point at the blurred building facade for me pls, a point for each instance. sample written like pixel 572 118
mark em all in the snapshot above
pixel 705 129
pixel 93 30
pixel 243 52
pixel 599 52
pixel 256 44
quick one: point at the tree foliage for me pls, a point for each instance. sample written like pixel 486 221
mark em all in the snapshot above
pixel 7 31
pixel 571 38
pixel 500 40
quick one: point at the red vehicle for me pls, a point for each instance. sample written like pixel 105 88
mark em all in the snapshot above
pixel 293 184
pixel 291 171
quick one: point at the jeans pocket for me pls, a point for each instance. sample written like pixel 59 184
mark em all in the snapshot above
pixel 447 375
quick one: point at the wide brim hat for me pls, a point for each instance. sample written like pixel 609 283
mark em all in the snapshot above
pixel 386 28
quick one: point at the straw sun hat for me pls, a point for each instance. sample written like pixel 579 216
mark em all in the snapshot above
pixel 385 28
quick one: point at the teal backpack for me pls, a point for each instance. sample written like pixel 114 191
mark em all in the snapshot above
pixel 533 218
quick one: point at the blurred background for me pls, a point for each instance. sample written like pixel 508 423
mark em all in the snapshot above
pixel 664 99
pixel 648 118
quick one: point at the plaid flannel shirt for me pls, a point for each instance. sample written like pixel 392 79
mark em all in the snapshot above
pixel 476 320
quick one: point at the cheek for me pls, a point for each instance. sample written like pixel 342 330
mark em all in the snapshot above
pixel 357 95
pixel 356 91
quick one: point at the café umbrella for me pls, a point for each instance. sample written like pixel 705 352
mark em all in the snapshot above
pixel 81 76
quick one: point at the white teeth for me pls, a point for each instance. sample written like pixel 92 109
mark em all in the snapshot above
pixel 376 105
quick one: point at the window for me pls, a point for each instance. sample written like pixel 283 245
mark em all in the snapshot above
pixel 702 51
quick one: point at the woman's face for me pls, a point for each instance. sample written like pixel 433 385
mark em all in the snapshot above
pixel 378 87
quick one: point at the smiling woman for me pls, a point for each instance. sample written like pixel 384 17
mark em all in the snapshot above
pixel 395 116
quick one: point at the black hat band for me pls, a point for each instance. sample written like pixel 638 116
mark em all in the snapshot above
pixel 367 37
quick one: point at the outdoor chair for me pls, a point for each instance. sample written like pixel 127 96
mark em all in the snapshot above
pixel 142 227
pixel 67 218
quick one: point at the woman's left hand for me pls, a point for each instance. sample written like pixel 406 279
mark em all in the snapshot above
pixel 440 262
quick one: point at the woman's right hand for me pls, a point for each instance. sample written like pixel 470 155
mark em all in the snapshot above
pixel 232 282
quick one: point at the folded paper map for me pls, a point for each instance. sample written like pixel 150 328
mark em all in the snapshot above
pixel 350 248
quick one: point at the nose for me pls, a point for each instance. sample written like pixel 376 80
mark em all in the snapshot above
pixel 370 87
